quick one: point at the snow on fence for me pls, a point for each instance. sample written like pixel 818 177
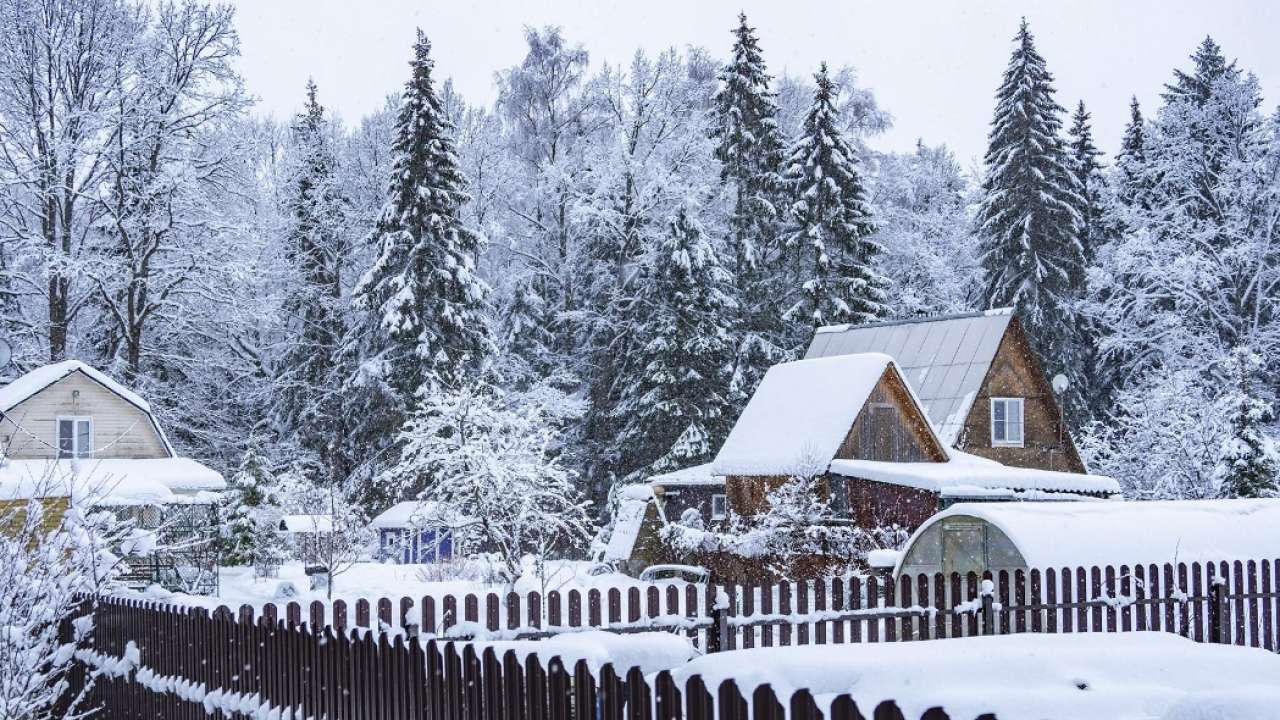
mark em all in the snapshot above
pixel 1231 602
pixel 156 661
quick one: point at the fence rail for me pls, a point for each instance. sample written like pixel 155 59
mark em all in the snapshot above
pixel 162 662
pixel 165 661
pixel 1231 602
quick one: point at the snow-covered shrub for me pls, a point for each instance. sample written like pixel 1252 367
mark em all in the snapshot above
pixel 796 532
pixel 489 458
pixel 41 624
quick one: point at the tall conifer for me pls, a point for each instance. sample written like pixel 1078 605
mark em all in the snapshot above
pixel 1029 222
pixel 830 233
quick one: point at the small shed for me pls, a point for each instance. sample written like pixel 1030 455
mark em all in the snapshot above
pixel 978 537
pixel 306 534
pixel 417 532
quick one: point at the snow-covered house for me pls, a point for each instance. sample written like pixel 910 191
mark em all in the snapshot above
pixel 417 532
pixel 976 537
pixel 693 489
pixel 70 434
pixel 977 379
pixel 855 421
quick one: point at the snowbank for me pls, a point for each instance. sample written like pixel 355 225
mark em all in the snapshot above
pixel 1118 676
pixel 1053 534
pixel 800 414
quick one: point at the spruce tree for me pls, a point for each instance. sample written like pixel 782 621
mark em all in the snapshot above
pixel 677 411
pixel 1029 223
pixel 830 231
pixel 1248 461
pixel 750 149
pixel 1196 86
pixel 308 404
pixel 423 297
pixel 1131 183
pixel 251 512
pixel 1083 160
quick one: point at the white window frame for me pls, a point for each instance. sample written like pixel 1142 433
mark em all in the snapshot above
pixel 1022 422
pixel 75 420
pixel 723 501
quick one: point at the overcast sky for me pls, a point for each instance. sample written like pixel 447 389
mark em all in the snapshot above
pixel 934 66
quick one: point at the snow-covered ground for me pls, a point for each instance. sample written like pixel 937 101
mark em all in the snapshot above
pixel 1117 676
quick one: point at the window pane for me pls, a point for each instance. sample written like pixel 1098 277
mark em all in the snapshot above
pixel 66 438
pixel 997 430
pixel 998 410
pixel 962 549
pixel 84 439
pixel 1015 411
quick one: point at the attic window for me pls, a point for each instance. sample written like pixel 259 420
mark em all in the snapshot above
pixel 1006 422
pixel 75 437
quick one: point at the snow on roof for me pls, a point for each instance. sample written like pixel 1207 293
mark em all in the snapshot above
pixel 109 481
pixel 944 358
pixel 1129 532
pixel 42 377
pixel 306 523
pixel 969 475
pixel 633 503
pixel 800 414
pixel 416 513
pixel 696 475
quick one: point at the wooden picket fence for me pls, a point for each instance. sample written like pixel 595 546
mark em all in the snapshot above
pixel 386 658
pixel 188 664
pixel 1231 602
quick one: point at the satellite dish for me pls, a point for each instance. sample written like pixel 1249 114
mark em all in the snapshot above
pixel 1060 383
pixel 6 353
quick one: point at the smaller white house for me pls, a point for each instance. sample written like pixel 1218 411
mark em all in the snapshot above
pixel 417 532
pixel 982 536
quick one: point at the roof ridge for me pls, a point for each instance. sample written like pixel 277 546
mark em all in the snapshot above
pixel 920 319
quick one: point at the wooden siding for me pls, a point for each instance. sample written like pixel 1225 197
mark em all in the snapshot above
pixel 876 504
pixel 120 428
pixel 891 428
pixel 1015 372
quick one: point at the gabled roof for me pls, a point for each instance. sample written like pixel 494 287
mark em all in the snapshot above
pixel 800 414
pixel 417 514
pixel 944 358
pixel 113 481
pixel 26 386
pixel 695 475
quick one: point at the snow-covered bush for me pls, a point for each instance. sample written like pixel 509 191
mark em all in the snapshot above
pixel 795 532
pixel 490 460
pixel 42 571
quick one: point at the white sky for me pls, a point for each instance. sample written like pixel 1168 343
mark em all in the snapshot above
pixel 934 66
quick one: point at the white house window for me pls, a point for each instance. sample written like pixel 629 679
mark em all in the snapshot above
pixel 1006 421
pixel 719 507
pixel 75 437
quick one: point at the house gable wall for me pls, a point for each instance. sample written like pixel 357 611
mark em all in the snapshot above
pixel 120 428
pixel 889 428
pixel 1015 372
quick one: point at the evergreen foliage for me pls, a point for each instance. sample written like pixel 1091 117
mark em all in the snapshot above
pixel 422 292
pixel 1249 460
pixel 831 228
pixel 1029 221
pixel 677 410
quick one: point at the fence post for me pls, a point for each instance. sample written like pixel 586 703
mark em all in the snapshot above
pixel 718 633
pixel 1219 612
pixel 988 608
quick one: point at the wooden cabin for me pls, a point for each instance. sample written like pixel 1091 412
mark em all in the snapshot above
pixel 71 435
pixel 855 421
pixel 417 532
pixel 978 380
